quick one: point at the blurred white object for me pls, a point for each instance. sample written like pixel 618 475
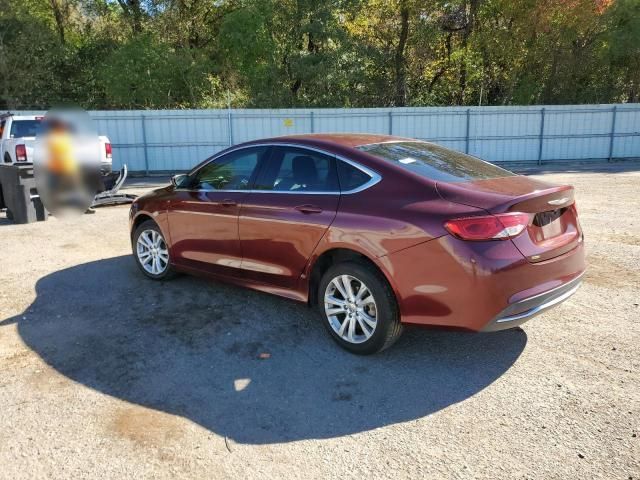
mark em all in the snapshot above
pixel 68 159
pixel 18 133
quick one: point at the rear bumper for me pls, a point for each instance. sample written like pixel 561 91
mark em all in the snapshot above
pixel 471 285
pixel 522 311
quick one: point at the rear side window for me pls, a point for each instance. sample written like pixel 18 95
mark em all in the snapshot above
pixel 350 176
pixel 292 169
pixel 435 162
pixel 25 128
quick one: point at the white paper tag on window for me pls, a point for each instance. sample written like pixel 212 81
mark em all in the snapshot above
pixel 407 161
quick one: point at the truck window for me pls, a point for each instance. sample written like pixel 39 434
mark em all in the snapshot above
pixel 25 128
pixel 2 124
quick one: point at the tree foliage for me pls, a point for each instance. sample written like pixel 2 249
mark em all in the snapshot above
pixel 110 54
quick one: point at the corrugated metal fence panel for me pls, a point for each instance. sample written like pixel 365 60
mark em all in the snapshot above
pixel 174 140
pixel 503 135
pixel 178 140
pixel 365 120
pixel 627 142
pixel 254 124
pixel 124 130
pixel 571 134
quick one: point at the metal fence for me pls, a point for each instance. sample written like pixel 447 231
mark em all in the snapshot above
pixel 175 140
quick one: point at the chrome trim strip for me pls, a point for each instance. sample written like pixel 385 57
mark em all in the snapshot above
pixel 375 177
pixel 559 287
pixel 540 308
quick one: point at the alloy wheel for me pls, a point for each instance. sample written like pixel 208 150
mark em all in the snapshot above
pixel 350 309
pixel 152 252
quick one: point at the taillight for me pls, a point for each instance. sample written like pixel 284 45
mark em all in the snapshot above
pixel 490 227
pixel 107 149
pixel 21 153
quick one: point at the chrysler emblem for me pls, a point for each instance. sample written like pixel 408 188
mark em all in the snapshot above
pixel 559 201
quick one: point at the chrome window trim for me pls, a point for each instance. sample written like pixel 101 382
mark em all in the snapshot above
pixel 374 176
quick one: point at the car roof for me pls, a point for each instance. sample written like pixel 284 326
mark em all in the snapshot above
pixel 349 140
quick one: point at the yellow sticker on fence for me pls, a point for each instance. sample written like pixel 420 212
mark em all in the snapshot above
pixel 288 122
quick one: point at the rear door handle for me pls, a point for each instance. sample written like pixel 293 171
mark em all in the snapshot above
pixel 228 203
pixel 308 209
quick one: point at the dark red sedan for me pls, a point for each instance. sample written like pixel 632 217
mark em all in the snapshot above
pixel 375 231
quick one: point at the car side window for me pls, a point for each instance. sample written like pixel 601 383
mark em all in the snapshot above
pixel 351 177
pixel 293 169
pixel 229 172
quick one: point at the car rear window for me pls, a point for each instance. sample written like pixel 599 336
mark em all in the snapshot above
pixel 435 162
pixel 25 128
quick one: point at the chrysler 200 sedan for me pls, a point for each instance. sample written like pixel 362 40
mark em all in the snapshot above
pixel 374 231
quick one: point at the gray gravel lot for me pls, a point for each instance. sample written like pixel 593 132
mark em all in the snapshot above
pixel 106 374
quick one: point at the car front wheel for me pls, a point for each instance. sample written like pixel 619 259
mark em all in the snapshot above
pixel 359 308
pixel 151 251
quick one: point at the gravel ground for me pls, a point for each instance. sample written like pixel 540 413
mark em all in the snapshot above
pixel 106 374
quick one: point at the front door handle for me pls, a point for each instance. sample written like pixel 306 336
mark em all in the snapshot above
pixel 308 209
pixel 227 202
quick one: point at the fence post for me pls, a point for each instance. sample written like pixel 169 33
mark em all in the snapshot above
pixel 144 144
pixel 390 122
pixel 613 131
pixel 466 146
pixel 230 125
pixel 541 135
pixel 311 119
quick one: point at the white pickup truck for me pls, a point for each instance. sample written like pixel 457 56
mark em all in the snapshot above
pixel 18 135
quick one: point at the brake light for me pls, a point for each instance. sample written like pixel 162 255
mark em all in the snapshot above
pixel 488 227
pixel 107 149
pixel 21 153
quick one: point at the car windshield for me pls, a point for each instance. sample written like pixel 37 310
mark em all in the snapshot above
pixel 25 128
pixel 435 162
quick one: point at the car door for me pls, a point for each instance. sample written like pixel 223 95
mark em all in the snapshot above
pixel 294 201
pixel 203 213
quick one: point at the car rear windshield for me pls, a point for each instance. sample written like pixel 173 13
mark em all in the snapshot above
pixel 435 162
pixel 25 128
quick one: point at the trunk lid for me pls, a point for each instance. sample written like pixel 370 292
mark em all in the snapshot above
pixel 553 228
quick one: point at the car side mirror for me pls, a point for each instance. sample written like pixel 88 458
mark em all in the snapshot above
pixel 178 180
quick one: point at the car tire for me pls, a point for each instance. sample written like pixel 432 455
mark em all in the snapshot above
pixel 349 320
pixel 151 251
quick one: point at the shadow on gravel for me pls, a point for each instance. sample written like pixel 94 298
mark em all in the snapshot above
pixel 191 347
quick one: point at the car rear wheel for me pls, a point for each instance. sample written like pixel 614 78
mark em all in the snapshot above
pixel 151 251
pixel 359 308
